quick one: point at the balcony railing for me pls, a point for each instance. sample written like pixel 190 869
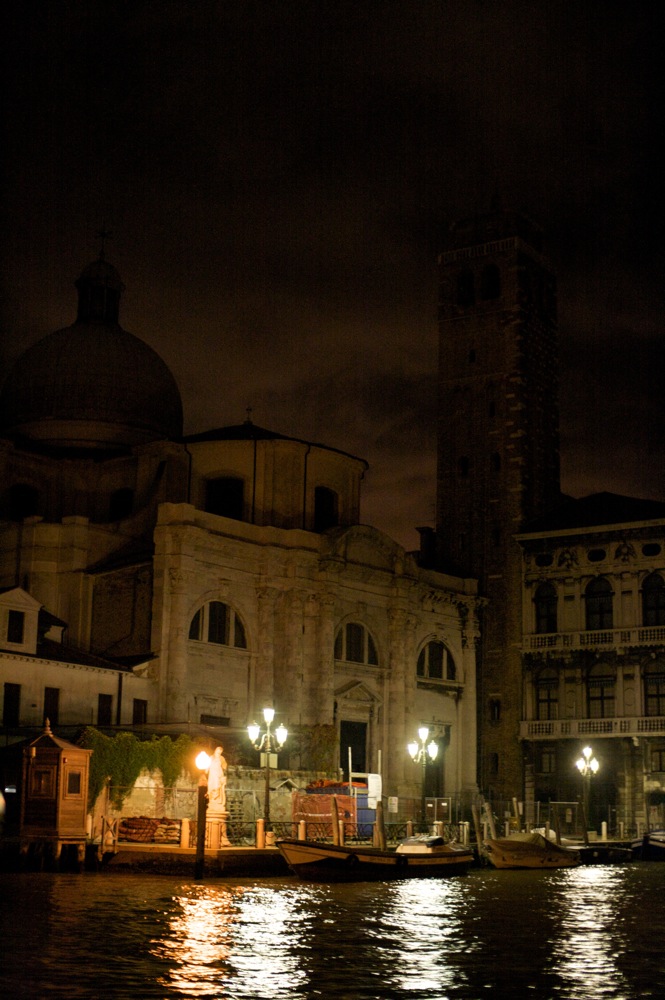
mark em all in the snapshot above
pixel 556 729
pixel 602 639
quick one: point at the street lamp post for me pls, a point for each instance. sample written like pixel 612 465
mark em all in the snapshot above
pixel 420 754
pixel 203 763
pixel 586 765
pixel 267 743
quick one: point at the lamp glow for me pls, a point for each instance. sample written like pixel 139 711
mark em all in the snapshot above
pixel 203 761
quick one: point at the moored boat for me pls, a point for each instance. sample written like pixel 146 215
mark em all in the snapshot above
pixel 529 850
pixel 650 847
pixel 415 857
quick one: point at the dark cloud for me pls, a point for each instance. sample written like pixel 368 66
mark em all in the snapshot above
pixel 279 177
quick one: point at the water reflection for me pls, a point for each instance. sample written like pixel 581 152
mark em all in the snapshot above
pixel 591 933
pixel 587 949
pixel 234 940
pixel 421 928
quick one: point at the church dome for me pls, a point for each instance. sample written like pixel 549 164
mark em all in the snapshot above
pixel 91 385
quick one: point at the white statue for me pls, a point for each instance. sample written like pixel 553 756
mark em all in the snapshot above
pixel 217 782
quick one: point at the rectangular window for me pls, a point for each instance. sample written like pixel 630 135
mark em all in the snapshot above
pixel 52 705
pixel 15 626
pixel 42 782
pixel 74 783
pixel 12 705
pixel 104 709
pixel 547 762
pixel 658 759
pixel 139 712
pixel 601 698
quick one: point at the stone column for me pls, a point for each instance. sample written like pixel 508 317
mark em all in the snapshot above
pixel 175 632
pixel 400 717
pixel 264 680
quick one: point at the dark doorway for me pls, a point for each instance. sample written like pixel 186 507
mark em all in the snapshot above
pixel 354 735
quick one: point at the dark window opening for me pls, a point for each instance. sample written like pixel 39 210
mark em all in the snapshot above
pixel 600 693
pixel 121 504
pixel 219 624
pixel 545 600
pixel 653 600
pixel 495 709
pixel 326 508
pixel 11 710
pixel 490 282
pixel 225 497
pixel 435 662
pixel 104 709
pixel 215 720
pixel 15 626
pixel 547 695
pixel 354 644
pixel 139 712
pixel 466 295
pixel 51 705
pixel 24 501
pixel 654 689
pixel 599 600
pixel 74 783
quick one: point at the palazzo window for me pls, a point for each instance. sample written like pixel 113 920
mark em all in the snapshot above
pixel 599 599
pixel 354 643
pixel 653 600
pixel 218 623
pixel 326 508
pixel 654 688
pixel 547 695
pixel 436 662
pixel 545 600
pixel 600 692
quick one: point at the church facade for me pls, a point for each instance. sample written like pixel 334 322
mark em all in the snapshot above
pixel 154 579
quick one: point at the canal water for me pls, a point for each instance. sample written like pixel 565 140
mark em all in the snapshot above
pixel 588 933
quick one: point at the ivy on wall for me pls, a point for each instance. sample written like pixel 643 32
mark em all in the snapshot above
pixel 122 757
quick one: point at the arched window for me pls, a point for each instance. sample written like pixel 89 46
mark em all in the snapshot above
pixel 436 662
pixel 225 496
pixel 654 688
pixel 326 508
pixel 547 694
pixel 545 600
pixel 601 680
pixel 653 600
pixel 354 644
pixel 466 294
pixel 490 282
pixel 218 623
pixel 598 597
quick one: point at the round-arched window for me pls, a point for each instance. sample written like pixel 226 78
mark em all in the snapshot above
pixel 355 644
pixel 218 623
pixel 436 662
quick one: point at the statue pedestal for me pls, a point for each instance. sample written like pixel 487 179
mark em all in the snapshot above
pixel 216 829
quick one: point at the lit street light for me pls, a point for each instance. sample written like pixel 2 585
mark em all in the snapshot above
pixel 268 743
pixel 420 754
pixel 586 765
pixel 203 763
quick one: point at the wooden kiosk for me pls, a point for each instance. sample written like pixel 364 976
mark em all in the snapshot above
pixel 54 797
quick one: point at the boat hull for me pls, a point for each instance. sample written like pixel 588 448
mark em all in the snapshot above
pixel 315 862
pixel 650 847
pixel 536 852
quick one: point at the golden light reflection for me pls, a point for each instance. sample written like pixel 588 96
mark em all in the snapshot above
pixel 232 942
pixel 585 952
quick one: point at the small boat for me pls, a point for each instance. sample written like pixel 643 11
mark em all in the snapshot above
pixel 650 847
pixel 529 850
pixel 414 857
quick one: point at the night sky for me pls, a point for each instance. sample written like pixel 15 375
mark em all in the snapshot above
pixel 278 178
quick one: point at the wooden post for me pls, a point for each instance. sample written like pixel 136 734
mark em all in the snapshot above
pixel 476 826
pixel 380 826
pixel 335 821
pixel 202 803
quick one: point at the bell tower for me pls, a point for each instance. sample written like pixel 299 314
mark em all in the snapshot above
pixel 498 448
